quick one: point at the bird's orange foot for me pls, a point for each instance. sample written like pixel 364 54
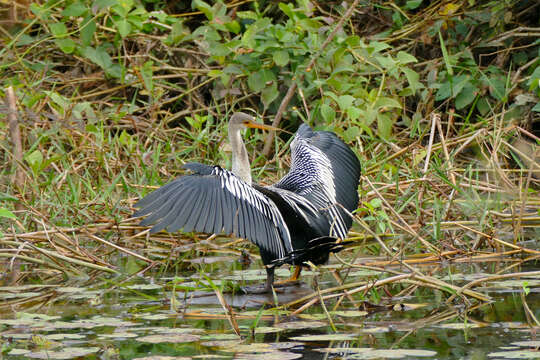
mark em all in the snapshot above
pixel 293 280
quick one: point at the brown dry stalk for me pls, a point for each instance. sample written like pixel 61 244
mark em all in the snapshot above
pixel 124 250
pixel 493 278
pixel 38 299
pixel 445 151
pixel 15 135
pixel 415 278
pixel 502 242
pixel 203 315
pixel 406 150
pixel 406 225
pixel 528 312
pixel 60 261
pixel 434 119
pixel 358 286
pixel 231 316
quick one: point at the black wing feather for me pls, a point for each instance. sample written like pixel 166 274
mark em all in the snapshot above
pixel 199 207
pixel 215 200
pixel 152 202
pixel 179 214
pixel 210 220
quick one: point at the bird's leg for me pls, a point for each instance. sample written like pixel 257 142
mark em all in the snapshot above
pixel 269 278
pixel 294 276
pixel 268 286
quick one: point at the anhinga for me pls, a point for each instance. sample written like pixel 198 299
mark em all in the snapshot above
pixel 298 219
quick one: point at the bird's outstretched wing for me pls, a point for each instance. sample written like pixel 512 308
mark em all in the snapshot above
pixel 214 200
pixel 326 172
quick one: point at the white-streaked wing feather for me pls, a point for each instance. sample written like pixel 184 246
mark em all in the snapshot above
pixel 214 200
pixel 325 172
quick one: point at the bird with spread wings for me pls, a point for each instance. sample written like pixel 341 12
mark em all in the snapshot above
pixel 295 220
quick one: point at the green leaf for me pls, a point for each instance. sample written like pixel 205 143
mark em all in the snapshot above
pixel 353 40
pixel 269 94
pixel 177 34
pixel 386 61
pixel 8 197
pixel 124 27
pixel 466 96
pixel 369 116
pixel 147 72
pixel 233 26
pixel 281 57
pixel 219 49
pixel 99 56
pixel 41 12
pixel 405 58
pixel 375 203
pixel 5 213
pixel 331 95
pixel 497 87
pixel 483 105
pixel 34 159
pixel 102 4
pixel 123 7
pixel 58 29
pixel 386 102
pixel 257 80
pixel 248 39
pixel 345 102
pixel 87 30
pixel 534 80
pixel 445 56
pixel 309 25
pixel 25 39
pixel 353 113
pixel 204 8
pixel 351 133
pixel 444 92
pixel 58 99
pixel 76 9
pixel 458 83
pixel 67 45
pixel 249 35
pixel 115 70
pixel 536 107
pixel 376 46
pixel 413 79
pixel 83 111
pixel 412 4
pixel 247 15
pixel 384 125
pixel 137 21
pixel 287 9
pixel 328 113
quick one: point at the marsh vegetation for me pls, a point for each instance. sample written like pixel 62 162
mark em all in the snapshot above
pixel 106 99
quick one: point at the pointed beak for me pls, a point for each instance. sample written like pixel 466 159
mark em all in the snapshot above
pixel 255 125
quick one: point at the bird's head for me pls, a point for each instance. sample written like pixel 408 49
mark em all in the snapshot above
pixel 240 120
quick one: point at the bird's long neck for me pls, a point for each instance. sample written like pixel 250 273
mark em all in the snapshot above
pixel 240 160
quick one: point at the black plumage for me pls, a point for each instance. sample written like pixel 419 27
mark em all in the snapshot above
pixel 298 219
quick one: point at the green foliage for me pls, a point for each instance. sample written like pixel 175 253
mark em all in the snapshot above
pixel 5 213
pixel 273 55
pixel 76 32
pixel 356 87
pixel 251 50
pixel 121 92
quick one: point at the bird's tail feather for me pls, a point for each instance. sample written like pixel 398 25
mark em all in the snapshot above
pixel 316 251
